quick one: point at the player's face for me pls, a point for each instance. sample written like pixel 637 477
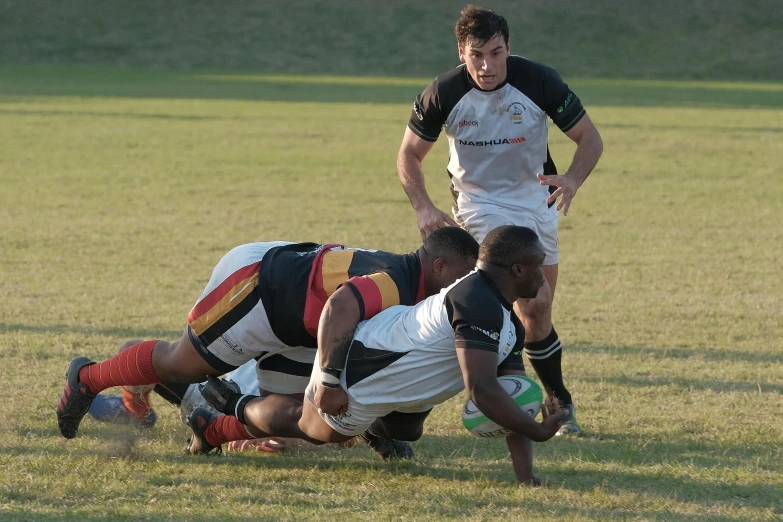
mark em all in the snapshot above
pixel 486 62
pixel 447 273
pixel 531 280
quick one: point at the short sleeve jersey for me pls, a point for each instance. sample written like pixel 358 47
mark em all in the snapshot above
pixel 408 355
pixel 296 280
pixel 498 139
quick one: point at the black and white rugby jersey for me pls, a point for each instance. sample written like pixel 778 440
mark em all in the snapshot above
pixel 498 138
pixel 408 355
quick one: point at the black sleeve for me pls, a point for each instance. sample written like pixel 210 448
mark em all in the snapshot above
pixel 514 360
pixel 560 102
pixel 476 325
pixel 427 117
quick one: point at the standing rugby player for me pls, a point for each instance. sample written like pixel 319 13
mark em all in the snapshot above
pixel 494 110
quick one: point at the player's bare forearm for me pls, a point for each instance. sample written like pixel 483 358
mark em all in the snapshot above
pixel 338 323
pixel 411 174
pixel 493 401
pixel 479 372
pixel 589 148
pixel 410 158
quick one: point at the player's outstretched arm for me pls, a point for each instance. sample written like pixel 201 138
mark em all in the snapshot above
pixel 479 371
pixel 409 168
pixel 338 322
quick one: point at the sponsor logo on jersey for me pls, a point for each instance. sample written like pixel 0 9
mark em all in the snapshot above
pixel 315 251
pixel 231 345
pixel 492 335
pixel 417 110
pixel 468 123
pixel 489 143
pixel 567 101
pixel 515 111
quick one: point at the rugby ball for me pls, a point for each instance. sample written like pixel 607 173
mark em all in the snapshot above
pixel 527 395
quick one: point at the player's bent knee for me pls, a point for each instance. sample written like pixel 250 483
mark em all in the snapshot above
pixel 312 425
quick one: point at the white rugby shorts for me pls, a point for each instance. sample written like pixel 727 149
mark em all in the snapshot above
pixel 479 222
pixel 358 417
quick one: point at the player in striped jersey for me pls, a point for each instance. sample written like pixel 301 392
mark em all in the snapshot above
pixel 265 301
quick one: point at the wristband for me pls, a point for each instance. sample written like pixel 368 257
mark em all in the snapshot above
pixel 329 385
pixel 327 378
pixel 334 372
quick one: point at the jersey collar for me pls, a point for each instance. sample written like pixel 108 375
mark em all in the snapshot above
pixel 420 296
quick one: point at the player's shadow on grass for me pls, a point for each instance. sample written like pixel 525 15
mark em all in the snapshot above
pixel 464 458
pixel 123 332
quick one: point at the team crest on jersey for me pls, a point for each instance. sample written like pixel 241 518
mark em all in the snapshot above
pixel 492 335
pixel 417 110
pixel 516 110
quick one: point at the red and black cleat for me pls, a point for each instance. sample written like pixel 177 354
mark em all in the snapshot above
pixel 75 401
pixel 200 420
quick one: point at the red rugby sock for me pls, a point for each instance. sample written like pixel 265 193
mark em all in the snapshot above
pixel 225 429
pixel 131 367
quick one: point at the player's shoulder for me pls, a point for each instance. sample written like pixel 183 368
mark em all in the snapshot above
pixel 475 294
pixel 518 66
pixel 529 76
pixel 453 83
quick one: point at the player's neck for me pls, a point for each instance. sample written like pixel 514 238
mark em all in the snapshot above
pixel 501 279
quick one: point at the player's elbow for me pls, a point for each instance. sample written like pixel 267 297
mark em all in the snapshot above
pixel 598 145
pixel 480 391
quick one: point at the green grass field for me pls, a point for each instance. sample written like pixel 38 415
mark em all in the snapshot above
pixel 122 188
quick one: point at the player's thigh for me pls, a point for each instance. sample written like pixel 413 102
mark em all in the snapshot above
pixel 180 362
pixel 405 425
pixel 286 373
pixel 550 274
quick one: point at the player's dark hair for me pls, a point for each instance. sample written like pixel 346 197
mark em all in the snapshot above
pixel 477 25
pixel 509 245
pixel 451 243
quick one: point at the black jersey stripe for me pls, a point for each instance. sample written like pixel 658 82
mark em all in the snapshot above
pixel 282 364
pixel 232 317
pixel 364 362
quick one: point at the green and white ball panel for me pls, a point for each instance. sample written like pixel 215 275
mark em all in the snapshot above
pixel 527 395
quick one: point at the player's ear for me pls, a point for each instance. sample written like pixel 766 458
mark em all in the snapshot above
pixel 461 53
pixel 439 266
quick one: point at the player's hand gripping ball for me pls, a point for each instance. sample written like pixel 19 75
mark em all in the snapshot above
pixel 527 395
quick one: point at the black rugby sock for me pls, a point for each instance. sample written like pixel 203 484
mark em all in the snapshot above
pixel 545 356
pixel 236 405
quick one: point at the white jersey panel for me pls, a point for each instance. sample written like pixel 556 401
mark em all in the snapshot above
pixel 429 371
pixel 497 145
